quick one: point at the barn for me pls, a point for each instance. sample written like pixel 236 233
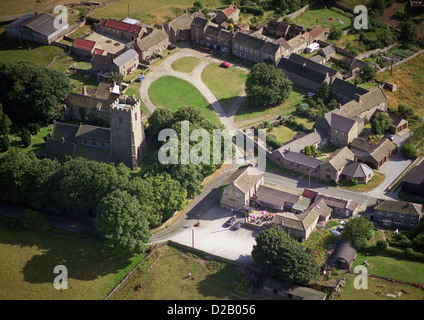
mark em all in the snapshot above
pixel 343 255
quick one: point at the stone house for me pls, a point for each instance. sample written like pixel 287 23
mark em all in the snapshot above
pixel 179 29
pixel 125 63
pixel 396 214
pixel 241 188
pixel 83 47
pixel 256 49
pixel 341 130
pixel 374 155
pixel 154 43
pixel 331 169
pixel 342 208
pixel 359 171
pixel 231 12
pixel 297 162
pixel 208 34
pixel 323 55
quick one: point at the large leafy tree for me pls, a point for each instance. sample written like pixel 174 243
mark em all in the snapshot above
pixel 281 256
pixel 30 93
pixel 267 85
pixel 409 31
pixel 357 228
pixel 122 224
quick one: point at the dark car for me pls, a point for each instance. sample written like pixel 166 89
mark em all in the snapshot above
pixel 140 78
pixel 231 221
pixel 237 226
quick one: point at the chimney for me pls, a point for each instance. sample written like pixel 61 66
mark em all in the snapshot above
pixel 84 90
pixel 63 139
pixel 358 97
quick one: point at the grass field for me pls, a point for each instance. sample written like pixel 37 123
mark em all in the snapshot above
pixel 150 12
pixel 168 279
pixel 247 116
pixel 186 64
pixel 283 134
pixel 409 78
pixel 38 54
pixel 29 258
pixel 372 184
pixel 319 15
pixel 173 93
pixel 227 84
pixel 37 141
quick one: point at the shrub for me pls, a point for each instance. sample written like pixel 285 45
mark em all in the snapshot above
pixel 360 243
pixel 33 219
pixel 408 150
pixel 382 245
pixel 25 135
pixel 34 128
pixel 409 251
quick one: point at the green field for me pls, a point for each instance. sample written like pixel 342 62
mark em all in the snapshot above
pixel 29 258
pixel 168 279
pixel 37 141
pixel 282 134
pixel 186 64
pixel 150 11
pixel 38 54
pixel 247 116
pixel 319 15
pixel 227 84
pixel 173 93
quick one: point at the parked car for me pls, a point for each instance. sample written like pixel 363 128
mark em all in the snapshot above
pixel 231 221
pixel 391 138
pixel 310 94
pixel 140 78
pixel 237 226
pixel 225 64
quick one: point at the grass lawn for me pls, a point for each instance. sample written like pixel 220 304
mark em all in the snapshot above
pixel 283 134
pixel 29 257
pixel 247 116
pixel 377 290
pixel 168 278
pixel 134 88
pixel 372 184
pixel 318 243
pixel 319 16
pixel 37 54
pixel 409 78
pixel 37 141
pixel 173 93
pixel 186 64
pixel 150 12
pixel 227 84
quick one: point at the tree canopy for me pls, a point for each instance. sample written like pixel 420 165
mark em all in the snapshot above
pixel 267 85
pixel 122 224
pixel 357 229
pixel 281 256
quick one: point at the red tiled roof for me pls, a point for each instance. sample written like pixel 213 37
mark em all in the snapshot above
pixel 83 44
pixel 309 194
pixel 229 10
pixel 112 23
pixel 98 51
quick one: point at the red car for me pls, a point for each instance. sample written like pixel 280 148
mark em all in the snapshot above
pixel 225 64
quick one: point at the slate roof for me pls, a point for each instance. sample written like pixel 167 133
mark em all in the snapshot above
pixel 399 207
pixel 199 22
pixel 58 149
pixel 327 51
pixel 366 101
pixel 362 148
pixel 275 196
pixel 125 57
pixel 299 158
pixel 277 26
pixel 249 41
pixel 152 39
pixel 312 65
pixel 416 175
pixel 93 133
pixel 88 102
pixel 346 88
pixel 357 170
pixel 339 122
pixel 337 202
pixel 282 42
pixel 302 71
pixel 314 137
pixel 64 130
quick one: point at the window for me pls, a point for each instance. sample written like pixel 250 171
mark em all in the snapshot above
pixel 398 221
pixel 120 119
pixel 236 46
pixel 238 195
pixel 225 191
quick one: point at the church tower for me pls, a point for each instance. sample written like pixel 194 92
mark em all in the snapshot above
pixel 127 132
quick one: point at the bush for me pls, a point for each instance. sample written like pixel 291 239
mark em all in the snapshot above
pixel 382 245
pixel 25 135
pixel 360 243
pixel 33 219
pixel 409 251
pixel 34 128
pixel 408 150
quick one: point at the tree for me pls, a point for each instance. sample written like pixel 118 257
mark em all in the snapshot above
pixel 324 92
pixel 376 127
pixel 5 124
pixel 122 224
pixel 279 255
pixel 368 72
pixel 358 228
pixel 26 137
pixel 308 151
pixel 385 120
pixel 335 33
pixel 267 85
pixel 404 111
pixel 409 31
pixel 382 245
pixel 409 151
pixel 116 77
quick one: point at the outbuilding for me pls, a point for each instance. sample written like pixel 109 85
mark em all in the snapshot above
pixel 343 255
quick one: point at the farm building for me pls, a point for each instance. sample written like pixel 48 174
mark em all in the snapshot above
pixel 343 255
pixel 413 182
pixel 293 292
pixel 35 27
